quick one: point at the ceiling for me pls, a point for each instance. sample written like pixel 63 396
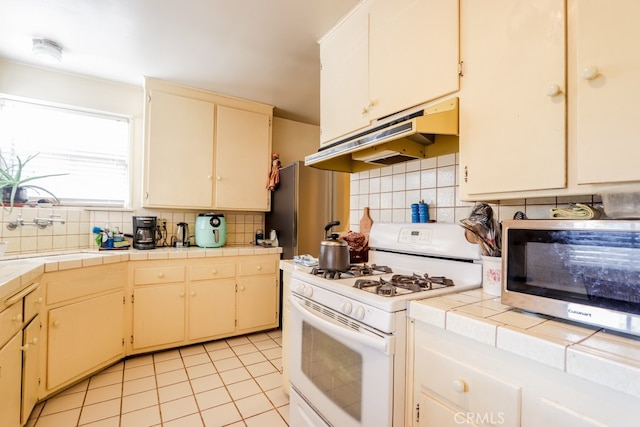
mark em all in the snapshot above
pixel 262 50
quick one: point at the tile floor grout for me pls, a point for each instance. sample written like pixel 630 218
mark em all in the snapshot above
pixel 234 382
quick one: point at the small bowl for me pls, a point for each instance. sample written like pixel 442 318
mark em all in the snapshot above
pixel 622 202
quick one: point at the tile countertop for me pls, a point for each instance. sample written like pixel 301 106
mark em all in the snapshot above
pixel 17 272
pixel 605 358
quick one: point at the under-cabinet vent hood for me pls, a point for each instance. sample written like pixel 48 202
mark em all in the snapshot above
pixel 396 141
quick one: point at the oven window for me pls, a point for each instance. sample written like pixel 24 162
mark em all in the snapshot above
pixel 586 267
pixel 334 368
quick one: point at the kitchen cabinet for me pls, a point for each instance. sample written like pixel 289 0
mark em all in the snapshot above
pixel 384 57
pixel 159 308
pixel 204 150
pixel 512 105
pixel 242 159
pixel 344 83
pixel 19 355
pixel 560 119
pixel 181 302
pixel 606 91
pixel 212 297
pixel 456 380
pixel 84 322
pixel 179 151
pixel 11 381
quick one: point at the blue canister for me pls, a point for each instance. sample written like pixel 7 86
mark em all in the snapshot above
pixel 423 212
pixel 415 214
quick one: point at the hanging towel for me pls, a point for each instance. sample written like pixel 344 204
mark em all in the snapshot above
pixel 575 211
pixel 274 174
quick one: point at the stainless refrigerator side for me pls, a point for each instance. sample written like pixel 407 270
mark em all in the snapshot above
pixel 304 202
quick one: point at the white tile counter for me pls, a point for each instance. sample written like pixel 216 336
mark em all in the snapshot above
pixel 605 358
pixel 17 271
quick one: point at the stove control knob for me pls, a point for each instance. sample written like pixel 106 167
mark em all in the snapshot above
pixel 308 291
pixel 301 288
pixel 359 313
pixel 346 307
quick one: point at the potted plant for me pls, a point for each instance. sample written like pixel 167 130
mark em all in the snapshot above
pixel 14 185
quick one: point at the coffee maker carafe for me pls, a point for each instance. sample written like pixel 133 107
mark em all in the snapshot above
pixel 144 232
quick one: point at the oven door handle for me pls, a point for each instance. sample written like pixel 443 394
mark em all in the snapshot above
pixel 379 344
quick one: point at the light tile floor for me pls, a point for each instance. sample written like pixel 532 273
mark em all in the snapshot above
pixel 235 381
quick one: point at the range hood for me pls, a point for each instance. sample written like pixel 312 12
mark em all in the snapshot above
pixel 396 141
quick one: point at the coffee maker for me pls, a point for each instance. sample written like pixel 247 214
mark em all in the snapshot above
pixel 144 232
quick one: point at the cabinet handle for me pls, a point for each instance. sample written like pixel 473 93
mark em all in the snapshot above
pixel 25 347
pixel 365 111
pixel 17 318
pixel 56 323
pixel 214 271
pixel 459 386
pixel 39 301
pixel 161 275
pixel 589 73
pixel 193 294
pixel 33 341
pixel 181 294
pixel 209 177
pixel 259 267
pixel 553 90
pixel 218 178
pixel 241 288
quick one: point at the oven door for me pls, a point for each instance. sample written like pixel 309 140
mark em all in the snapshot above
pixel 341 368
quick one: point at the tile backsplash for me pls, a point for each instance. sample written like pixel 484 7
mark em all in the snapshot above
pixel 390 191
pixel 76 233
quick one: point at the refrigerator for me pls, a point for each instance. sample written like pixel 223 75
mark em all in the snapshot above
pixel 304 202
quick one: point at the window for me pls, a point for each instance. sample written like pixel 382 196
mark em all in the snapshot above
pixel 91 148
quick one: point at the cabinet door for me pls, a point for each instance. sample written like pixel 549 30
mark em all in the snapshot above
pixel 84 335
pixel 512 120
pixel 158 315
pixel 10 378
pixel 30 364
pixel 242 159
pixel 607 91
pixel 344 76
pixel 212 308
pixel 414 53
pixel 433 413
pixel 257 302
pixel 178 151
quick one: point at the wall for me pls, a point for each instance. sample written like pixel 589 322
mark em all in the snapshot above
pixel 390 191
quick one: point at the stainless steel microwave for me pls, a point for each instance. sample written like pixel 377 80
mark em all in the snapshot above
pixel 581 270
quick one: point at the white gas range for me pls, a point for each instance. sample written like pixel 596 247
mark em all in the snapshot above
pixel 348 334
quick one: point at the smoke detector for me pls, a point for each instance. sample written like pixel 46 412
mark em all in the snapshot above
pixel 47 50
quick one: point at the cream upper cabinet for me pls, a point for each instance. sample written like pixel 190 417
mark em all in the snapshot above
pixel 204 150
pixel 607 65
pixel 344 76
pixel 178 151
pixel 413 53
pixel 384 57
pixel 242 159
pixel 512 103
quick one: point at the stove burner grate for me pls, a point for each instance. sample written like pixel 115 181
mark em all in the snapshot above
pixel 400 283
pixel 354 270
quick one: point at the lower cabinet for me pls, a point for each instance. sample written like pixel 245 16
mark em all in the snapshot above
pixel 10 381
pixel 158 315
pixel 30 367
pixel 82 336
pixel 456 381
pixel 180 302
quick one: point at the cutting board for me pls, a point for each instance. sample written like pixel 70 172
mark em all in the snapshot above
pixel 366 222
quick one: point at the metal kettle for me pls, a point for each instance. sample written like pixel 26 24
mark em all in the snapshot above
pixel 334 252
pixel 182 235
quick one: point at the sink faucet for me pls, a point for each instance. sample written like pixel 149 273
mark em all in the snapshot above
pixel 37 222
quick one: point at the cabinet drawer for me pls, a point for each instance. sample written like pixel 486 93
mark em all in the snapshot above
pixel 10 322
pixel 212 271
pixel 467 388
pixel 82 282
pixel 32 303
pixel 260 266
pixel 145 276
